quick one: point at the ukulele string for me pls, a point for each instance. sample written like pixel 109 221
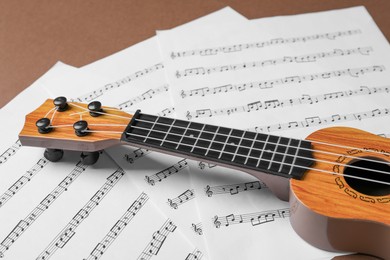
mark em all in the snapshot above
pixel 269 160
pixel 292 165
pixel 86 110
pixel 261 141
pixel 300 166
pixel 50 111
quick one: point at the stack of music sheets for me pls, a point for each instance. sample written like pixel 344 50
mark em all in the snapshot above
pixel 284 76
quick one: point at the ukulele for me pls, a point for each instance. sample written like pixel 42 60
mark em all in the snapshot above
pixel 337 180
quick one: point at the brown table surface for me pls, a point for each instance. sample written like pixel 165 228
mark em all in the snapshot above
pixel 34 35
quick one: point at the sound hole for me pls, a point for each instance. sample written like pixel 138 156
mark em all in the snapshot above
pixel 372 170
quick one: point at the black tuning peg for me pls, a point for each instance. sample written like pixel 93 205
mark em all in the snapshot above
pixel 80 128
pixel 43 125
pixel 60 103
pixel 95 108
pixel 89 158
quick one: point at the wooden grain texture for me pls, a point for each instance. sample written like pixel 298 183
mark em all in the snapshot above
pixel 109 127
pixel 329 194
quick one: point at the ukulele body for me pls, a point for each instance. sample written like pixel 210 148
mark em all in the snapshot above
pixel 334 213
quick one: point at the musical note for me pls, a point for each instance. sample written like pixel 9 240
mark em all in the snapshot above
pixel 255 219
pixel 69 230
pixel 181 199
pixel 313 57
pixel 255 45
pixel 158 240
pixel 10 151
pixel 167 111
pixel 114 232
pixel 197 228
pixel 315 120
pixel 234 189
pixel 18 185
pixel 136 154
pixel 110 86
pixel 159 176
pixel 146 95
pixel 352 72
pixel 195 255
pixel 276 103
pixel 22 226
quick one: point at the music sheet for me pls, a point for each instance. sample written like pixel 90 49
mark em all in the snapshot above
pixel 286 76
pixel 120 82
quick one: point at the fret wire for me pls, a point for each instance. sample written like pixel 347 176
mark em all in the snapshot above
pixel 294 158
pixel 305 167
pixel 227 139
pixel 273 155
pixel 260 141
pixel 212 140
pixel 151 129
pixel 302 148
pixel 284 156
pixel 238 146
pixel 184 134
pixel 250 149
pixel 262 151
pixel 197 139
pixel 165 137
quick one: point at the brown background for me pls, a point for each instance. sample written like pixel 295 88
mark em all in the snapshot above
pixel 36 34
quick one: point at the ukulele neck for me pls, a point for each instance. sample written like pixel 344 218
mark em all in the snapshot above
pixel 271 154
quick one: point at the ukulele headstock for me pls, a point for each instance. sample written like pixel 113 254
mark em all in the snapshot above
pixel 58 124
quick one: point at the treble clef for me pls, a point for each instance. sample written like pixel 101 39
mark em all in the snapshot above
pixel 208 191
pixel 217 223
pixel 172 204
pixel 149 180
pixel 183 94
pixel 189 116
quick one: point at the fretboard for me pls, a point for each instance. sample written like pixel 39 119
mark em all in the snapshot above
pixel 272 154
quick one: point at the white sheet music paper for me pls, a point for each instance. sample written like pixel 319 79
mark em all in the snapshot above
pixel 60 210
pixel 134 79
pixel 284 75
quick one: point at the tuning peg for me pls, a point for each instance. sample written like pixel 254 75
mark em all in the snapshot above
pixel 95 106
pixel 43 125
pixel 80 128
pixel 53 155
pixel 60 103
pixel 89 158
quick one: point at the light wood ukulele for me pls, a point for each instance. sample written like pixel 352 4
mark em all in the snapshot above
pixel 337 180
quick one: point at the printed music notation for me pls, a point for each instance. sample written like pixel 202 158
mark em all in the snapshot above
pixel 253 218
pixel 114 232
pixel 101 91
pixel 197 228
pixel 316 120
pixel 181 199
pixel 166 111
pixel 234 189
pixel 158 240
pixel 18 185
pixel 152 179
pixel 10 151
pixel 272 42
pixel 279 103
pixel 355 72
pixel 313 57
pixel 195 255
pixel 136 154
pixel 25 223
pixel 69 230
pixel 203 165
pixel 146 95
